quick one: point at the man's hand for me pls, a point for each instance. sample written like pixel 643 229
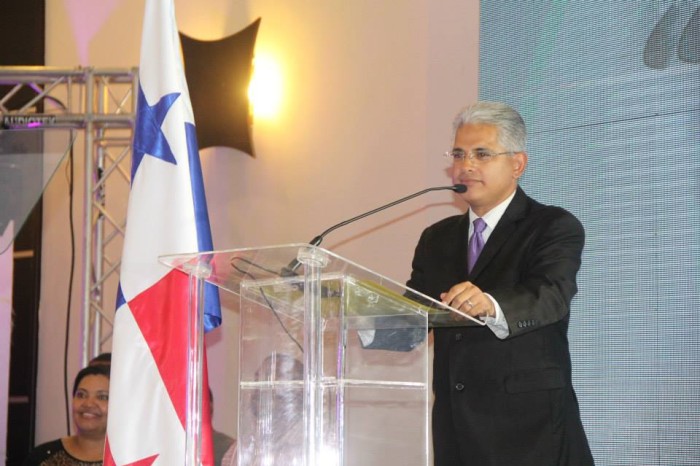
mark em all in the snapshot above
pixel 469 299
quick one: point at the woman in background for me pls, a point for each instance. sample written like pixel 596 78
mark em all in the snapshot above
pixel 86 447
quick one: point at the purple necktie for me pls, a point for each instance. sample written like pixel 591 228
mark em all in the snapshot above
pixel 476 243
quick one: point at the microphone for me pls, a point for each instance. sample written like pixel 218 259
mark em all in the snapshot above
pixel 294 264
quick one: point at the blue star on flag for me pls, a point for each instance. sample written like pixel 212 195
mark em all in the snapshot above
pixel 148 135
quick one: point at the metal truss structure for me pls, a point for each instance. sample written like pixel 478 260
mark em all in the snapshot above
pixel 100 105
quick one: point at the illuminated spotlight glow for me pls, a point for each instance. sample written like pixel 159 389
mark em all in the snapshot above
pixel 265 91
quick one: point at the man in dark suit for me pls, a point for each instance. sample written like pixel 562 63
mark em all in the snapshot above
pixel 503 392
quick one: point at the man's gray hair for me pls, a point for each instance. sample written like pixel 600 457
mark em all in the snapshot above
pixel 512 134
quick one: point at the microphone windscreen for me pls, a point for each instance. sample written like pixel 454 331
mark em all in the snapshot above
pixel 460 188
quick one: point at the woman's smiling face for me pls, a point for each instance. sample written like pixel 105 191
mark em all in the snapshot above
pixel 90 403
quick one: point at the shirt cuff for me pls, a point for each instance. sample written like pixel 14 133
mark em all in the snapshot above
pixel 366 337
pixel 497 324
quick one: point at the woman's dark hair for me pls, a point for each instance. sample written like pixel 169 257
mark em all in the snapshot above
pixel 103 358
pixel 89 370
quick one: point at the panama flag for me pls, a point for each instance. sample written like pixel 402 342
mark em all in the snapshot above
pixel 167 214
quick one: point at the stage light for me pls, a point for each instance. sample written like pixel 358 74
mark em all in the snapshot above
pixel 218 75
pixel 265 90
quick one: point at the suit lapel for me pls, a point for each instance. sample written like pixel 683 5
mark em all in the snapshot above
pixel 504 230
pixel 462 248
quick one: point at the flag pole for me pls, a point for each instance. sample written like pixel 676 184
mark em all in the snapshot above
pixel 195 367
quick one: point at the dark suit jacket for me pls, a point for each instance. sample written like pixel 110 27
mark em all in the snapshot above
pixel 507 402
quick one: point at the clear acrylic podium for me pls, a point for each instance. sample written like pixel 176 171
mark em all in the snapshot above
pixel 333 357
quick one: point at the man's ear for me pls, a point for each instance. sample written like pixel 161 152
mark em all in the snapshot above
pixel 519 164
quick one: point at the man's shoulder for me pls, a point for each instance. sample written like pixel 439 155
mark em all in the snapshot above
pixel 446 230
pixel 552 211
pixel 545 216
pixel 534 207
pixel 448 223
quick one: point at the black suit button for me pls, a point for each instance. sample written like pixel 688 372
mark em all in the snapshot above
pixel 458 337
pixel 459 387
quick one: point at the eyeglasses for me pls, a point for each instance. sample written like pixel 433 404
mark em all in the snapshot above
pixel 475 155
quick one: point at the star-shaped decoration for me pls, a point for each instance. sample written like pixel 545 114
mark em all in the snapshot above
pixel 148 135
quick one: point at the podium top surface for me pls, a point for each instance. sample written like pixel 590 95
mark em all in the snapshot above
pixel 285 265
